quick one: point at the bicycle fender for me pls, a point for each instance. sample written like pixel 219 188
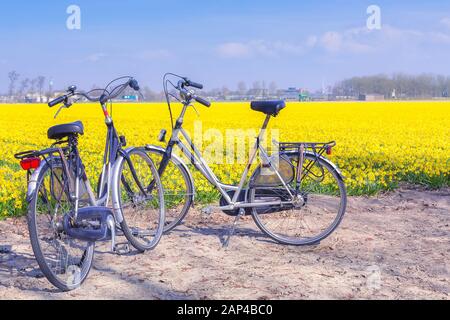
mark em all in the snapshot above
pixel 114 187
pixel 338 171
pixel 32 182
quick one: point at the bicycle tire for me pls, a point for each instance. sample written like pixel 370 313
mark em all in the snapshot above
pixel 125 225
pixel 310 240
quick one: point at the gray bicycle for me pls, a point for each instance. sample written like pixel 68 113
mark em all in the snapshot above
pixel 296 195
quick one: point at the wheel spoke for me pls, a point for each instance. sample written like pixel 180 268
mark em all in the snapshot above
pixel 316 209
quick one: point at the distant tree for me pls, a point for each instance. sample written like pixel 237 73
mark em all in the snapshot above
pixel 13 77
pixel 242 88
pixel 24 86
pixel 273 87
pixel 225 91
pixel 40 81
pixel 33 83
pixel 406 86
pixel 257 87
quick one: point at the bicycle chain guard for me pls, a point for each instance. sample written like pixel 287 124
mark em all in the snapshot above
pixel 91 224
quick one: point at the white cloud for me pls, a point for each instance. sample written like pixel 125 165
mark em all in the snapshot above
pixel 258 48
pixel 311 41
pixel 351 41
pixel 331 41
pixel 445 22
pixel 234 50
pixel 95 57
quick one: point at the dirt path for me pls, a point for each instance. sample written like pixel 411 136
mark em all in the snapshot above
pixel 394 246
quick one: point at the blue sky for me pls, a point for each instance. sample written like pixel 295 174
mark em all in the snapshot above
pixel 294 43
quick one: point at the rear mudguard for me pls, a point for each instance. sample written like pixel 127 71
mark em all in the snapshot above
pixel 321 158
pixel 34 178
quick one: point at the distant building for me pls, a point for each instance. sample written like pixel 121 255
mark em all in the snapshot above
pixel 371 97
pixel 35 98
pixel 319 96
pixel 291 93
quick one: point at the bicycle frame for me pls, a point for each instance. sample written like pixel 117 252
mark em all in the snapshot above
pixel 200 164
pixel 113 157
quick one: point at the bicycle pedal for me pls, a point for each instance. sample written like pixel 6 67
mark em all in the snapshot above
pixel 122 248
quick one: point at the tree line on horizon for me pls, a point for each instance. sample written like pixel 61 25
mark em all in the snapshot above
pixel 400 86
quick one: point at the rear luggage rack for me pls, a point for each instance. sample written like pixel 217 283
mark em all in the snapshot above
pixel 38 153
pixel 27 154
pixel 318 148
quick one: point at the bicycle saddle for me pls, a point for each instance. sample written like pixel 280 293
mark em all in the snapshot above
pixel 63 130
pixel 268 107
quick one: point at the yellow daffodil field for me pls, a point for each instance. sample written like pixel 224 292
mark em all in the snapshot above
pixel 379 144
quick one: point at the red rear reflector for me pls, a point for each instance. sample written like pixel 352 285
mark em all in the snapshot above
pixel 329 150
pixel 30 163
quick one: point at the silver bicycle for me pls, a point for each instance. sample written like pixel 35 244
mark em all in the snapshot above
pixel 296 196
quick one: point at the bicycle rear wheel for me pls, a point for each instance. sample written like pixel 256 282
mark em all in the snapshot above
pixel 64 261
pixel 315 213
pixel 141 199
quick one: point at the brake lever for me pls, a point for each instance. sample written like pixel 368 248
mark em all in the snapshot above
pixel 141 95
pixel 59 110
pixel 196 111
pixel 66 105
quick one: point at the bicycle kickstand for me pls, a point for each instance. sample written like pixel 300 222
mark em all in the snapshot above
pixel 233 228
pixel 116 247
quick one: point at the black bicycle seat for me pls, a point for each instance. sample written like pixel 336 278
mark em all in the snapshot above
pixel 64 130
pixel 268 107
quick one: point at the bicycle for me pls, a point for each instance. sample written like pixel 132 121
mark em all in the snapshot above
pixel 65 218
pixel 296 196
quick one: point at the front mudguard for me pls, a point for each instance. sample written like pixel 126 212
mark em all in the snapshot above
pixel 117 208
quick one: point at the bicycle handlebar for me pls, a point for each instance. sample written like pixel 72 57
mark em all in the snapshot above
pixel 185 82
pixel 190 83
pixel 202 101
pixel 133 83
pixel 57 101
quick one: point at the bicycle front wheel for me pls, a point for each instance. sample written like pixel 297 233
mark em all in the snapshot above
pixel 314 214
pixel 141 199
pixel 178 188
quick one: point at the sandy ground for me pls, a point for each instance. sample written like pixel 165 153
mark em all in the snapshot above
pixel 394 246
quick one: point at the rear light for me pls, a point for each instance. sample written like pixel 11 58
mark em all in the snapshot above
pixel 329 150
pixel 30 163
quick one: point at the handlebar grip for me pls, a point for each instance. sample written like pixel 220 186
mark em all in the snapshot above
pixel 134 84
pixel 194 84
pixel 57 101
pixel 204 102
